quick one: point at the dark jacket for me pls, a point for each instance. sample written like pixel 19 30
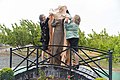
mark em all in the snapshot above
pixel 44 31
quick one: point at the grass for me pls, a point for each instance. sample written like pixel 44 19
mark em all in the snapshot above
pixel 103 63
pixel 115 66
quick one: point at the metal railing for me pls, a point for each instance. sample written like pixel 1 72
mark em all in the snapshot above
pixel 86 60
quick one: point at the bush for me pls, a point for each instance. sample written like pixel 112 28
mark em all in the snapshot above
pixel 42 75
pixel 6 74
pixel 100 79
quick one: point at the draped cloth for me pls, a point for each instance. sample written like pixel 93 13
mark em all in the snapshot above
pixel 58 39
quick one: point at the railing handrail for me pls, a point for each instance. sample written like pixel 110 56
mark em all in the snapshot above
pixel 103 52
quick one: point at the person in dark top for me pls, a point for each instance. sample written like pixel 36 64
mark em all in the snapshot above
pixel 44 33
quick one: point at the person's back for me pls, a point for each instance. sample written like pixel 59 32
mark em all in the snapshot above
pixel 72 36
pixel 72 30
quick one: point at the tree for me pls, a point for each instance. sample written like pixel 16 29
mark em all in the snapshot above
pixel 20 35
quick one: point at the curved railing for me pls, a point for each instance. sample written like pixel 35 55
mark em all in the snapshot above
pixel 84 59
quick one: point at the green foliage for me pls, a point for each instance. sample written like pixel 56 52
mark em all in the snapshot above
pixel 3 35
pixel 102 41
pixel 96 40
pixel 100 79
pixel 82 40
pixel 28 32
pixel 51 76
pixel 20 35
pixel 6 74
pixel 42 75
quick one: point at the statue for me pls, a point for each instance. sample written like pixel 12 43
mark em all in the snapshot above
pixel 58 36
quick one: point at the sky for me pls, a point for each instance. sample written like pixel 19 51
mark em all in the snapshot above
pixel 95 14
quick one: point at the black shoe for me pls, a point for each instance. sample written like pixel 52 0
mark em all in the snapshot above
pixel 76 66
pixel 48 61
pixel 42 62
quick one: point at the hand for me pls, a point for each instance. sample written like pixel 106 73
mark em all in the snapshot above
pixel 51 11
pixel 66 20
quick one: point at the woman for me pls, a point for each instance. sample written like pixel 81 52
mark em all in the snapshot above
pixel 72 35
pixel 44 34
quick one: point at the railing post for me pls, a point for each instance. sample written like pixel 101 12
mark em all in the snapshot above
pixel 70 61
pixel 10 57
pixel 37 60
pixel 27 58
pixel 110 64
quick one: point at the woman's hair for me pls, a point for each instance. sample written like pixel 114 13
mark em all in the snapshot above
pixel 41 17
pixel 77 19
